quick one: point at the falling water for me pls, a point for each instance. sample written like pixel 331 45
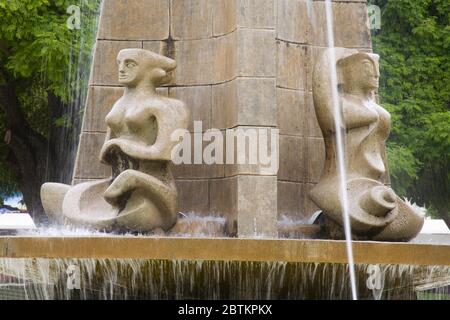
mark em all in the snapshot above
pixel 101 279
pixel 340 146
pixel 77 78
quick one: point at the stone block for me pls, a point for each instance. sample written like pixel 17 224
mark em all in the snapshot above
pixel 225 58
pixel 100 100
pixel 155 46
pixel 223 201
pixel 191 19
pixel 350 25
pixel 88 165
pixel 316 159
pixel 313 54
pixel 256 14
pixel 310 206
pixel 291 200
pixel 292 65
pixel 292 153
pixel 193 196
pixel 224 112
pixel 312 125
pixel 134 20
pixel 198 101
pixel 257 206
pixel 256 102
pixel 293 20
pixel 292 112
pixel 207 61
pixel 256 52
pixel 244 102
pixel 224 16
pixel 198 171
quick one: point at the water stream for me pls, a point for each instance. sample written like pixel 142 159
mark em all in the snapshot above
pixel 65 145
pixel 340 156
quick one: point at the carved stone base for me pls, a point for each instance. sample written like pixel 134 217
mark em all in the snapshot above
pixel 329 229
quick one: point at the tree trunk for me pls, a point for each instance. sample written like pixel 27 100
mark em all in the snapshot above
pixel 30 177
pixel 28 152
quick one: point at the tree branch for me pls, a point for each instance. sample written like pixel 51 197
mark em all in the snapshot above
pixel 16 124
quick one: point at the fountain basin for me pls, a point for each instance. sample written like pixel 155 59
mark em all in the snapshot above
pixel 192 268
pixel 223 249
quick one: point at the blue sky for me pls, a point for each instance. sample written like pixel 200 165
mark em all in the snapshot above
pixel 14 201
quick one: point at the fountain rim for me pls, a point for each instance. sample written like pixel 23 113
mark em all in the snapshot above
pixel 222 249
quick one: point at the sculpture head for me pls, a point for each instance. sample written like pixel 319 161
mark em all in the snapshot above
pixel 138 66
pixel 359 73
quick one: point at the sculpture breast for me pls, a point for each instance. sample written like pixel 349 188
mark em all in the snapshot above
pixel 141 194
pixel 375 210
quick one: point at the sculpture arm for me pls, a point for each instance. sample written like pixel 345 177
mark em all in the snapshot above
pixel 322 89
pixel 108 137
pixel 170 119
pixel 356 116
pixel 323 103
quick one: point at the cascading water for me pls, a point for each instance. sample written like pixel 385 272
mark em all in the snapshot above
pixel 157 279
pixel 65 142
pixel 340 156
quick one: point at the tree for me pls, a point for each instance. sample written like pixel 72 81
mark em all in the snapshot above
pixel 39 55
pixel 414 44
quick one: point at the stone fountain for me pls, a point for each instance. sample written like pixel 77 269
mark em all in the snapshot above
pixel 239 64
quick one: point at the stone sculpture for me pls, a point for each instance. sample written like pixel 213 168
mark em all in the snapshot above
pixel 376 212
pixel 141 194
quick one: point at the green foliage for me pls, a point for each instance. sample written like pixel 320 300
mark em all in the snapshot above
pixel 40 54
pixel 414 45
pixel 403 168
pixel 38 43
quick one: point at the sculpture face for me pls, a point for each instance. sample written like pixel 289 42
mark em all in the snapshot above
pixel 142 66
pixel 131 71
pixel 360 73
pixel 370 76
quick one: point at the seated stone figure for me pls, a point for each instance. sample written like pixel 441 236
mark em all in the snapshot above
pixel 376 212
pixel 141 194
